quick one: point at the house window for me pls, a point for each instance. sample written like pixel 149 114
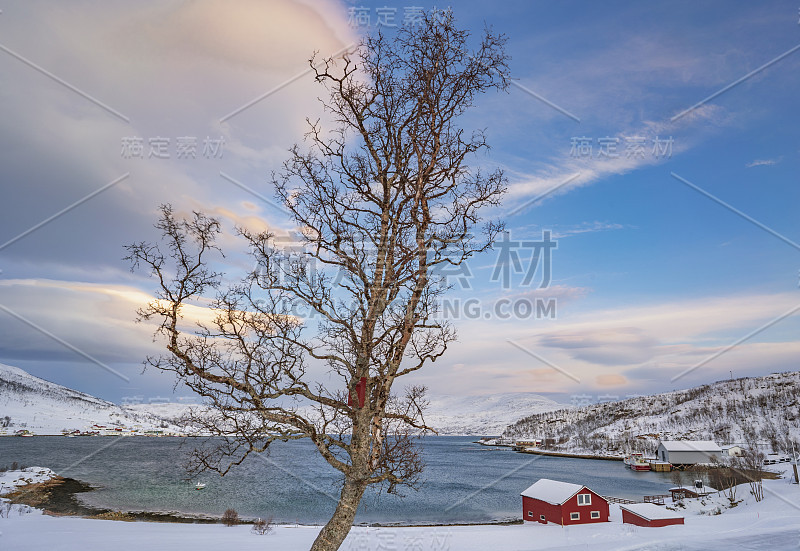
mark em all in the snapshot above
pixel 541 517
pixel 530 514
pixel 595 514
pixel 584 499
pixel 575 516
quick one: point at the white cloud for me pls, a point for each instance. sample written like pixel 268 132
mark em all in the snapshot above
pixel 95 318
pixel 762 162
pixel 174 69
pixel 641 347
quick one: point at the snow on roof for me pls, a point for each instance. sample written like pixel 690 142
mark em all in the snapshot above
pixel 552 491
pixel 690 446
pixel 650 511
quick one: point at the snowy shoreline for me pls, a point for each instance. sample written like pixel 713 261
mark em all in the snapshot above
pixel 536 451
pixel 31 477
pixel 770 524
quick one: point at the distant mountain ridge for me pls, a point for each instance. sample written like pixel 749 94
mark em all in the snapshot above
pixel 43 407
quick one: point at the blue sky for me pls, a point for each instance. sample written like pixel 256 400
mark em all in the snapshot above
pixel 651 276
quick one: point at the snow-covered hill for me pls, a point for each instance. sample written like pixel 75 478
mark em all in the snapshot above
pixel 41 407
pixel 485 415
pixel 449 415
pixel 763 410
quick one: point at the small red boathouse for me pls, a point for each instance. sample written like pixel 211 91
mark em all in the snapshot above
pixel 649 514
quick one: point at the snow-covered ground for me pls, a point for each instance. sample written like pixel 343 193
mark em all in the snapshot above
pixel 773 524
pixel 10 480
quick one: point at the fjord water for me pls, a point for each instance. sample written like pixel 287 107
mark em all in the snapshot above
pixel 463 482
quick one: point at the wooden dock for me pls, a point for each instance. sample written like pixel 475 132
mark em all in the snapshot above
pixel 660 466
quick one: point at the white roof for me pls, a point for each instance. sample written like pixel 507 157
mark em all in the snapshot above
pixel 650 511
pixel 552 491
pixel 690 446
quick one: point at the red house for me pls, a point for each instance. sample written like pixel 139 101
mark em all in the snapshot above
pixel 649 514
pixel 563 503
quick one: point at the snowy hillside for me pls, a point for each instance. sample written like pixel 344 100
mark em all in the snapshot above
pixel 42 407
pixel 484 415
pixel 763 410
pixel 169 411
pixel 449 415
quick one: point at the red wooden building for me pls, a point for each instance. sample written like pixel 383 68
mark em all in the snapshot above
pixel 563 503
pixel 649 514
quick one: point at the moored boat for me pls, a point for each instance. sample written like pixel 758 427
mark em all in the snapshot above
pixel 636 462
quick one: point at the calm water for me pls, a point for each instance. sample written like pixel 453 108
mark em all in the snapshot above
pixel 463 481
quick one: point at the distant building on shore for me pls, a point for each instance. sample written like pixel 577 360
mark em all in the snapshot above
pixel 527 443
pixel 733 450
pixel 688 452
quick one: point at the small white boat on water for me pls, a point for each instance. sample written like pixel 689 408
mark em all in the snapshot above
pixel 199 486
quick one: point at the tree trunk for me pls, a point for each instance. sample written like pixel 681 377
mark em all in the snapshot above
pixel 332 535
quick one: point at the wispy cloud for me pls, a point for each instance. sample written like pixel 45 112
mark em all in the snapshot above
pixel 658 146
pixel 586 227
pixel 763 162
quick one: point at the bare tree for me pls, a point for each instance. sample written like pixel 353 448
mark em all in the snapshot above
pixel 384 199
pixel 729 483
pixel 677 478
pixel 724 478
pixel 751 464
pixel 262 526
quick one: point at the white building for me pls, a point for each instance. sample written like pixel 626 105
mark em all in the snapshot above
pixel 733 451
pixel 688 452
